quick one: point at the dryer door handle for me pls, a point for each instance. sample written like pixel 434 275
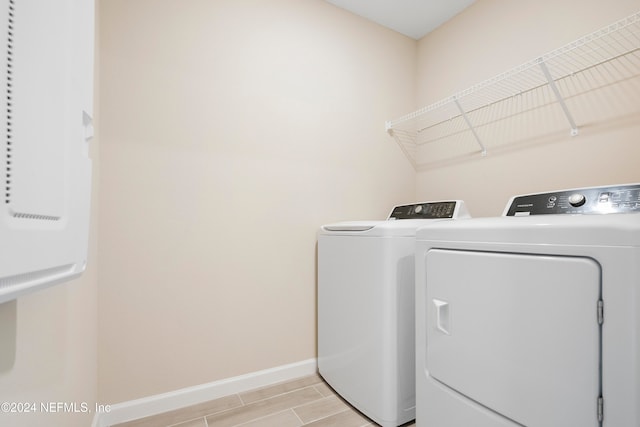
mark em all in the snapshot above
pixel 443 313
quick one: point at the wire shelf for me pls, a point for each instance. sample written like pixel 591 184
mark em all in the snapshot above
pixel 473 114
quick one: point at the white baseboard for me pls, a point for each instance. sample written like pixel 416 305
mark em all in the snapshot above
pixel 152 405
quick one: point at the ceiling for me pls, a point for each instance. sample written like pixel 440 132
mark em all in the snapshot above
pixel 413 18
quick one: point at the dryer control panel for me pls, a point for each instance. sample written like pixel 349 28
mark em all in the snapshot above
pixel 593 200
pixel 427 210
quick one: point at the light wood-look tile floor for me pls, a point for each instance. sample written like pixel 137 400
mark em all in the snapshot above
pixel 307 401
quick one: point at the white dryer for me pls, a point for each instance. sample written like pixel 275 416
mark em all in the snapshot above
pixel 533 318
pixel 366 321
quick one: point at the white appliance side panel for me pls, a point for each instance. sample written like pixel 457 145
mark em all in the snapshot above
pixel 47 91
pixel 366 323
pixel 516 333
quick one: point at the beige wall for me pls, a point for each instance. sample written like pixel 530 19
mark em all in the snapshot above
pixel 493 36
pixel 231 130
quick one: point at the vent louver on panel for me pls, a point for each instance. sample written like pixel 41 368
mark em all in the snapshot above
pixel 10 121
pixel 9 102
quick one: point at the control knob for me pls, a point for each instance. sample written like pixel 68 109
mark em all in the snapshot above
pixel 577 200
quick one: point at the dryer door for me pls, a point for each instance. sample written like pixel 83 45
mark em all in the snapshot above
pixel 516 333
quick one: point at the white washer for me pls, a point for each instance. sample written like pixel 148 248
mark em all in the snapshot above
pixel 366 321
pixel 532 319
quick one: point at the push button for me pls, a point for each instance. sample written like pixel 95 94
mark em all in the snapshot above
pixel 577 199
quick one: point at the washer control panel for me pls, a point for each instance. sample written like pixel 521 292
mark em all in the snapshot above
pixel 596 200
pixel 428 210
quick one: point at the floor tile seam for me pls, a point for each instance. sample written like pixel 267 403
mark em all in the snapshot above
pixel 339 411
pixel 297 416
pixel 266 416
pixel 282 394
pixel 249 405
pixel 243 403
pixel 184 411
pixel 189 420
pixel 367 424
pixel 205 414
pixel 332 393
pixel 347 407
pixel 330 415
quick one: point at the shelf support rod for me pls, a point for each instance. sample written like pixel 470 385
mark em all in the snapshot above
pixel 556 91
pixel 473 130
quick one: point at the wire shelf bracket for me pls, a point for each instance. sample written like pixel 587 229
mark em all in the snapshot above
pixel 559 98
pixel 470 125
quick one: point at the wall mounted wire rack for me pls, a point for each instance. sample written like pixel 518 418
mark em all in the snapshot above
pixel 463 111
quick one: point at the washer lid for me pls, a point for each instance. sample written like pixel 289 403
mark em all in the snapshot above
pixel 350 226
pixel 403 220
pixel 387 228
